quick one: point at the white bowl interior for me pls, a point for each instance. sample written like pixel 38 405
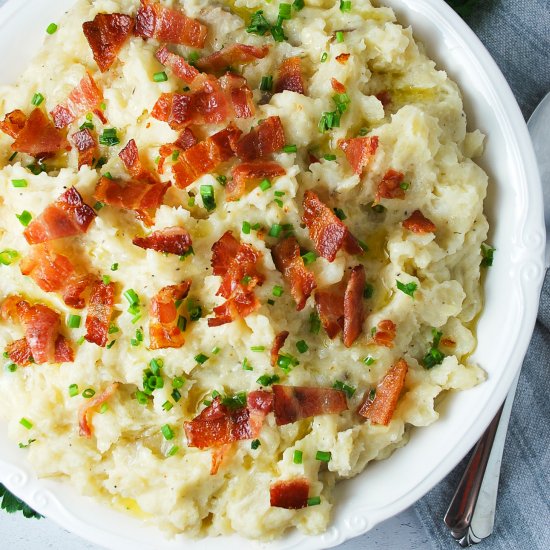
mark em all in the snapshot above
pixel 512 288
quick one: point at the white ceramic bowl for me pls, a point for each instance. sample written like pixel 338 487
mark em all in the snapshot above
pixel 513 284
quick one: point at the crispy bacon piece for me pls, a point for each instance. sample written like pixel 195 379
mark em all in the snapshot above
pixel 342 58
pixel 353 305
pixel 106 34
pixel 238 94
pixel 337 86
pixel 359 151
pixel 251 171
pixel 86 144
pixel 86 411
pixel 262 140
pixel 291 494
pixel 54 272
pixel 153 20
pixel 287 259
pixel 38 136
pixel 278 343
pixel 205 156
pixel 235 54
pixel 260 402
pixel 418 223
pixel 385 333
pixel 329 303
pixel 179 66
pixel 130 157
pixel 13 123
pixel 173 108
pixel 220 456
pixel 19 352
pixel 170 240
pixel 69 215
pixel 380 410
pixel 142 198
pixel 326 230
pixel 292 403
pixel 163 326
pixel 100 311
pixel 390 186
pixel 290 76
pixel 185 140
pixel 448 343
pixel 84 98
pixel 237 265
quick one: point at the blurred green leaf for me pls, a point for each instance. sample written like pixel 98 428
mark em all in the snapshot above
pixel 11 504
pixel 463 7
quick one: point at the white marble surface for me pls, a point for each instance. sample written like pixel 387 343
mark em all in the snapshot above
pixel 17 533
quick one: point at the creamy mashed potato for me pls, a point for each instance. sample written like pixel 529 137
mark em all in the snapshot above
pixel 422 133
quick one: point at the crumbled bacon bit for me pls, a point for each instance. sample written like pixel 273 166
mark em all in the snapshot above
pixel 223 252
pixel 106 34
pixel 205 156
pixel 337 86
pixel 292 403
pixel 329 303
pixel 239 95
pixel 287 259
pixel 170 240
pixel 278 343
pixel 220 455
pixel 13 123
pixel 235 54
pixel 185 140
pixel 174 109
pixel 260 402
pixel 385 333
pixel 69 215
pixel 83 98
pixel 326 230
pixel 248 172
pixel 418 223
pixel 448 343
pixel 153 20
pixel 342 58
pixel 19 352
pixel 142 198
pixel 164 331
pixel 54 272
pixel 86 411
pixel 241 304
pixel 100 311
pixel 390 186
pixel 179 66
pixel 290 76
pixel 130 157
pixel 380 409
pixel 266 138
pixel 86 144
pixel 37 137
pixel 353 305
pixel 359 151
pixel 291 494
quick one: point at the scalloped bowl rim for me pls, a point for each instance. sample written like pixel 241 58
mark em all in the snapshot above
pixel 511 292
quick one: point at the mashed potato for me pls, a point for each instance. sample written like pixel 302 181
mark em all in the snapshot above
pixel 395 93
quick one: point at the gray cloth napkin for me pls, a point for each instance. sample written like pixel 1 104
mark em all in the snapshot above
pixel 517 34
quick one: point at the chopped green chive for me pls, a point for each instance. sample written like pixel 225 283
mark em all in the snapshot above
pixel 175 155
pixel 298 5
pixel 340 213
pixel 265 185
pixel 434 356
pixel 345 5
pixel 113 329
pixel 26 423
pixel 408 288
pixel 275 230
pixel 37 99
pixel 329 157
pixel 222 180
pixel 178 382
pixel 290 149
pixel 98 206
pixel 12 156
pixel 313 501
pixel 339 36
pixel 106 279
pixel 285 11
pixel 236 401
pixel 193 58
pixel 341 101
pixel 131 296
pixel 246 365
pixel 88 393
pixel 267 380
pixel 369 360
pixel 195 310
pixel 109 137
pixel 173 450
pixel 141 397
pixel 379 208
pixel 114 267
pixel 255 444
pixel 246 228
pixel 277 33
pixel 271 302
pixel 266 83
pixel 167 405
pixel 110 344
pixel 487 255
pixel 167 432
pixel 73 390
pixel 215 350
pixel 368 291
pixel 258 24
pixel 328 121
pixel 363 131
pixel 160 77
pixel 73 321
pixel 155 365
pixel 201 358
pixel 24 218
pixel 51 28
pixel 208 200
pixel 324 57
pixel 277 291
pixel 302 346
pixel 342 386
pixel 182 323
pixel 323 456
pixel 8 256
pixel 309 258
pixel 136 341
pixel 286 361
pixel 11 367
pixel 191 202
pixel 314 323
pixel 257 348
pixel 298 457
pixel 278 202
pixel 404 185
pixel 104 408
pixel 89 126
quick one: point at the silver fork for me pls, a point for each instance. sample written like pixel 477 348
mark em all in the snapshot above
pixel 471 512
